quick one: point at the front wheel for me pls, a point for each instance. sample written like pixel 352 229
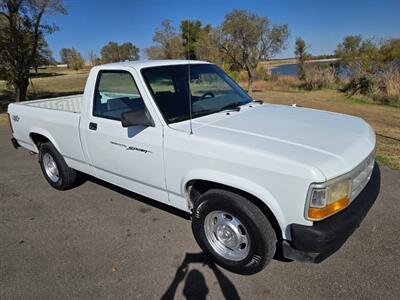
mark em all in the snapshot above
pixel 233 231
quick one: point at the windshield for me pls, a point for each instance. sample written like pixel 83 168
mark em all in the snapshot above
pixel 210 90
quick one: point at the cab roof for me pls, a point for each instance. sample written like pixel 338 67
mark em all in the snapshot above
pixel 139 64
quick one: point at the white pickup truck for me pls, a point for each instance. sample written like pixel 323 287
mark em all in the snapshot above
pixel 259 179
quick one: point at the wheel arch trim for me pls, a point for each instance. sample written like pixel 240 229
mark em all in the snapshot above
pixel 238 183
pixel 44 133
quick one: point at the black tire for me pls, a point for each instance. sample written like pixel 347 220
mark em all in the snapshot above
pixel 68 178
pixel 262 237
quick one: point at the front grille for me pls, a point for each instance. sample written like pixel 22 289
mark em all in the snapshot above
pixel 362 176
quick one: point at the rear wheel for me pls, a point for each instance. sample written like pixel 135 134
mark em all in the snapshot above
pixel 55 169
pixel 233 231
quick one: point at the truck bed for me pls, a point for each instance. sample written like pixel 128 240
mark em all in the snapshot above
pixel 57 119
pixel 68 103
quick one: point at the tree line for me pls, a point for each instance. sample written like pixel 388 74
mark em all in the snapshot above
pixel 238 44
pixel 112 52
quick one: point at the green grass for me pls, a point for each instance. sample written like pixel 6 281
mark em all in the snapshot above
pixel 385 160
pixel 3 118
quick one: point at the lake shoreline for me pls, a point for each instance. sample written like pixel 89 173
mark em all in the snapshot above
pixel 288 67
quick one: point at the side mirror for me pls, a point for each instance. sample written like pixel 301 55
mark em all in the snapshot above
pixel 136 118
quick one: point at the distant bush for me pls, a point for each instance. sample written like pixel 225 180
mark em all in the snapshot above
pixel 373 68
pixel 235 75
pixel 260 73
pixel 385 88
pixel 382 87
pixel 286 80
pixel 319 76
pixel 391 83
pixel 277 82
pixel 229 69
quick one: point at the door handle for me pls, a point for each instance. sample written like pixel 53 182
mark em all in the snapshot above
pixel 92 126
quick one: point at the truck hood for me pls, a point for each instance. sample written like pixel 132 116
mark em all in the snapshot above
pixel 331 142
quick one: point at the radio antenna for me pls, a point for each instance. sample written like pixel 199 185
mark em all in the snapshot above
pixel 189 91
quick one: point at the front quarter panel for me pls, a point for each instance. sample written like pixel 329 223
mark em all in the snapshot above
pixel 189 157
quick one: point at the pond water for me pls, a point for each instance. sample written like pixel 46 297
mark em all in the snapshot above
pixel 292 70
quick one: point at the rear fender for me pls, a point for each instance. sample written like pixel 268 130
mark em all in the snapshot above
pixel 44 133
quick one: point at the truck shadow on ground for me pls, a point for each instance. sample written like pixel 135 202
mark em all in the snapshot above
pixel 195 286
pixel 167 208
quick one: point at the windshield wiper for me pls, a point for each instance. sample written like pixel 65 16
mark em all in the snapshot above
pixel 194 114
pixel 234 105
pixel 200 113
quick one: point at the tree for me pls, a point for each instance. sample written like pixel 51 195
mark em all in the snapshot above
pixel 113 52
pixel 369 55
pixel 360 56
pixel 363 63
pixel 390 51
pixel 22 36
pixel 154 52
pixel 168 43
pixel 247 38
pixel 207 47
pixel 191 33
pixel 128 51
pixel 44 55
pixel 92 58
pixel 372 66
pixel 302 55
pixel 349 49
pixel 110 53
pixel 77 61
pixel 65 55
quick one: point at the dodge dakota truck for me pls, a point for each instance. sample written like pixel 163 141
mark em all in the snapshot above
pixel 259 180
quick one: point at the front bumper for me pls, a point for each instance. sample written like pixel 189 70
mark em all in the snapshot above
pixel 15 143
pixel 317 242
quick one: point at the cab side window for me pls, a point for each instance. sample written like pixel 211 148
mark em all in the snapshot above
pixel 116 92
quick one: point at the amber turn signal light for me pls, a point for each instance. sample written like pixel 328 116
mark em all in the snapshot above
pixel 320 213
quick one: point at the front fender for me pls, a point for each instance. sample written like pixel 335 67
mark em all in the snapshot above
pixel 240 183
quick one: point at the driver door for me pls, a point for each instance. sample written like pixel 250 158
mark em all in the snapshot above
pixel 128 157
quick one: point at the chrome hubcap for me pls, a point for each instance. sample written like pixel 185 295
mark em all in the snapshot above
pixel 227 235
pixel 50 167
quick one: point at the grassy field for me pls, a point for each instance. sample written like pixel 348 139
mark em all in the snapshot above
pixel 384 119
pixel 52 82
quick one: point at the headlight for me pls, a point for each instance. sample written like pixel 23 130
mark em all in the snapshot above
pixel 327 199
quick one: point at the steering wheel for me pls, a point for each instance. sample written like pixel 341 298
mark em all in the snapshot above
pixel 204 96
